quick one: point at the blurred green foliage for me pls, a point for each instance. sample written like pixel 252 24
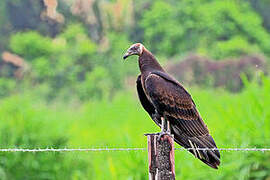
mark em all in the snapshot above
pixel 6 86
pixel 235 120
pixel 72 63
pixel 67 61
pixel 26 123
pixel 72 92
pixel 218 29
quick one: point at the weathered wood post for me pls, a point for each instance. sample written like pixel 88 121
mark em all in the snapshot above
pixel 161 157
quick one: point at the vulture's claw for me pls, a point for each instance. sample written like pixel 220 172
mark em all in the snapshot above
pixel 162 133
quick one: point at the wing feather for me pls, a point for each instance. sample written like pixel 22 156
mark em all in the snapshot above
pixel 176 104
pixel 147 105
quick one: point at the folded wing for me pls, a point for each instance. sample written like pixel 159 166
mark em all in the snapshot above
pixel 147 105
pixel 171 100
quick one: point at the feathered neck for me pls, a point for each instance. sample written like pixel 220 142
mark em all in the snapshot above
pixel 148 63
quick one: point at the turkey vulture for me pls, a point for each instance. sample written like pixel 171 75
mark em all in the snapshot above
pixel 165 99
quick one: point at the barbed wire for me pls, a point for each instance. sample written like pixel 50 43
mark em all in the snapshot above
pixel 123 149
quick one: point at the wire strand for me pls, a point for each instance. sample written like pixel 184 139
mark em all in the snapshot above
pixel 124 149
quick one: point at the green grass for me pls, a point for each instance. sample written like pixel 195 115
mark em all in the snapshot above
pixel 234 120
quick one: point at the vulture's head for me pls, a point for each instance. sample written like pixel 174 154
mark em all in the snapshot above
pixel 135 49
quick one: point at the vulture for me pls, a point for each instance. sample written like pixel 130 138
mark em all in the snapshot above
pixel 171 107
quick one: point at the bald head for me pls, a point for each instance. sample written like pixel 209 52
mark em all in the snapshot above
pixel 135 49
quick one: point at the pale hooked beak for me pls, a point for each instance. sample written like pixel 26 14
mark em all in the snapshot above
pixel 126 55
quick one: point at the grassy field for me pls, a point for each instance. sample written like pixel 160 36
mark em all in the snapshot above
pixel 234 120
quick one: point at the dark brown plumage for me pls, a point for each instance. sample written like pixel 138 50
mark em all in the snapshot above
pixel 163 96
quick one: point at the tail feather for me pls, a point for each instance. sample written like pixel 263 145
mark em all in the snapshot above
pixel 209 157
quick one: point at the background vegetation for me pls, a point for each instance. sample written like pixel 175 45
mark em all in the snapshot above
pixel 63 83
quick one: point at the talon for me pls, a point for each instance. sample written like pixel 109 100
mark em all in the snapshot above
pixel 160 135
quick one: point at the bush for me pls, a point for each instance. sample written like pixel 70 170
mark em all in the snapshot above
pixel 216 28
pixel 6 86
pixel 27 123
pixel 63 62
pixel 31 45
pixel 71 63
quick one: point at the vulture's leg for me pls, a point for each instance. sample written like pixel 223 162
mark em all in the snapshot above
pixel 162 124
pixel 168 127
pixel 164 127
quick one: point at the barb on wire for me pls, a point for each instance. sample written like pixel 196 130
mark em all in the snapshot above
pixel 123 149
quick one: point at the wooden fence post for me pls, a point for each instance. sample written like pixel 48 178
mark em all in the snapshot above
pixel 161 157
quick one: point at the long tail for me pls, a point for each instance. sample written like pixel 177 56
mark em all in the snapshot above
pixel 209 157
